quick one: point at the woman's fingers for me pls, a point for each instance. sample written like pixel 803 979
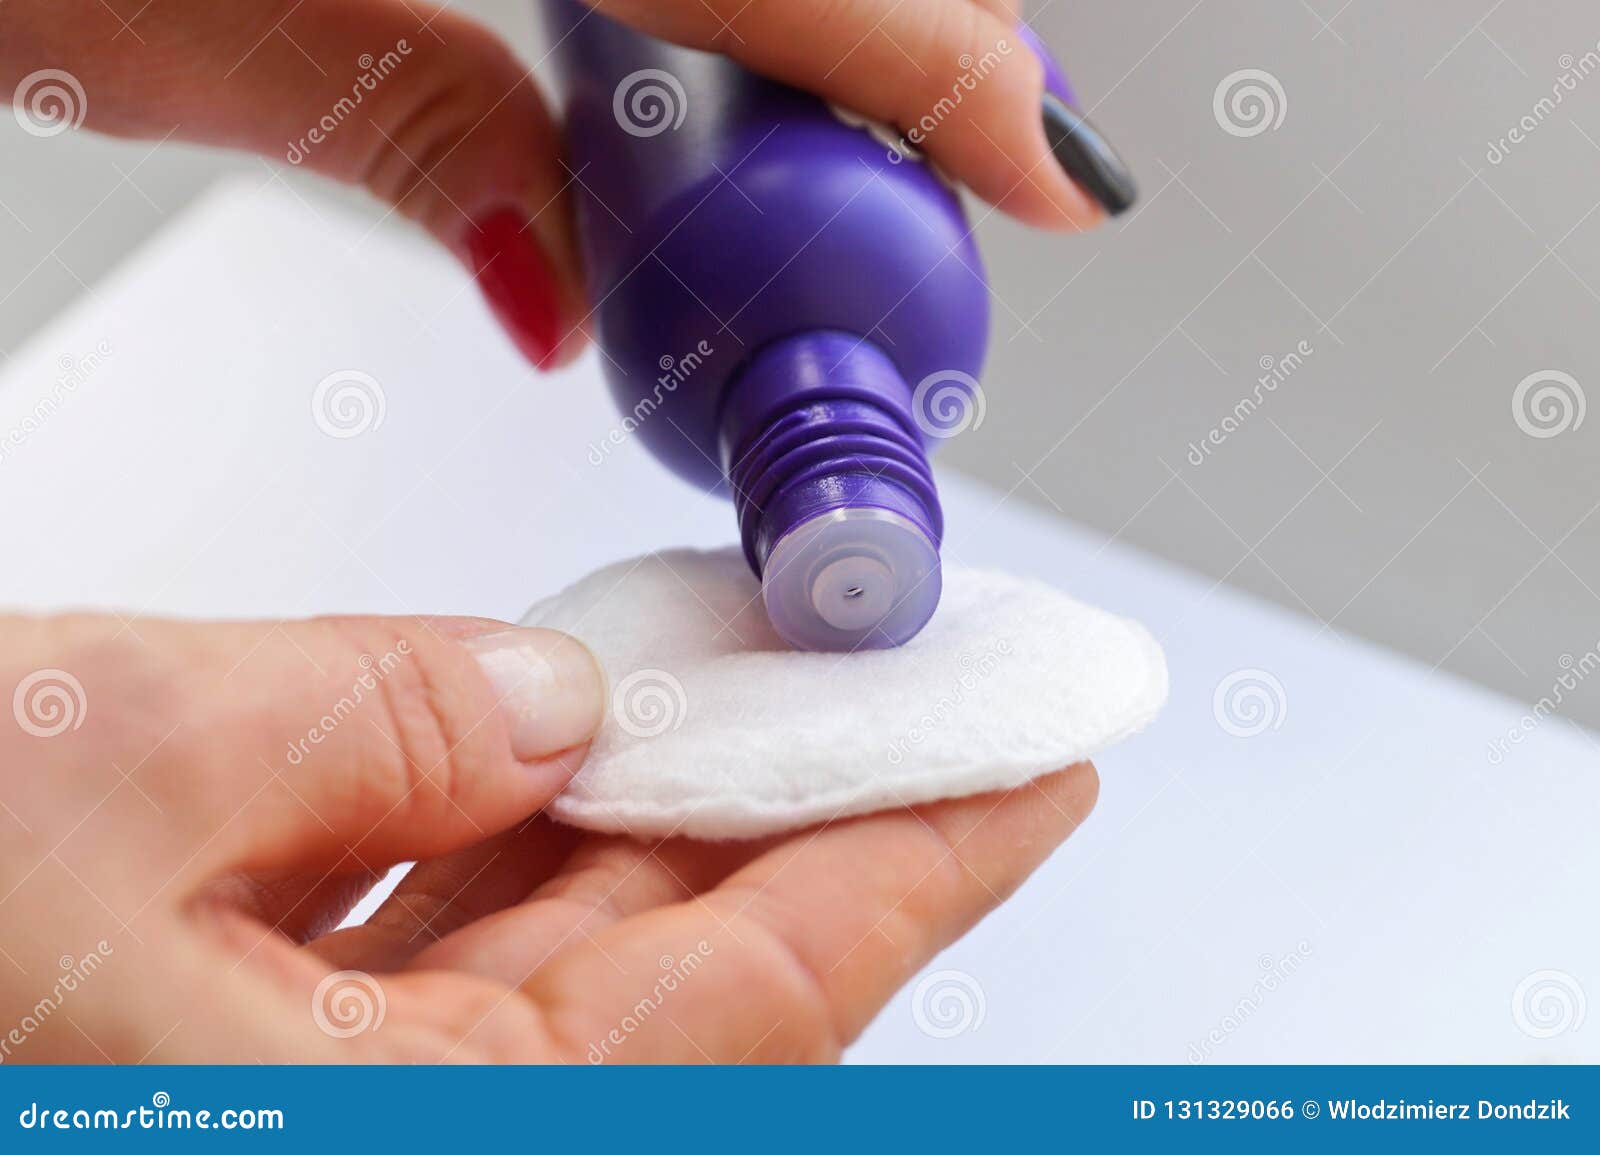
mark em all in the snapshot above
pixel 335 744
pixel 685 951
pixel 428 110
pixel 299 906
pixel 606 879
pixel 502 908
pixel 953 75
pixel 376 740
pixel 439 897
pixel 792 955
pixel 435 115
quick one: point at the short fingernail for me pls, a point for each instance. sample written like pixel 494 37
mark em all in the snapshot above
pixel 518 281
pixel 550 688
pixel 1086 156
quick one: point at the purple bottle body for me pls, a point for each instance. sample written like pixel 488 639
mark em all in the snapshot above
pixel 770 284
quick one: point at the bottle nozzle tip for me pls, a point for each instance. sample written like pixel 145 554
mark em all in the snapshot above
pixel 858 578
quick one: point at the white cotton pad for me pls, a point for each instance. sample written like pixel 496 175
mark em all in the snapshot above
pixel 718 730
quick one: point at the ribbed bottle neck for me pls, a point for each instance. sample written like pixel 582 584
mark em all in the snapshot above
pixel 836 504
pixel 822 422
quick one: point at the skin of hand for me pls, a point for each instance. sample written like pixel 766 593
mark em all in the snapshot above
pixel 457 137
pixel 190 809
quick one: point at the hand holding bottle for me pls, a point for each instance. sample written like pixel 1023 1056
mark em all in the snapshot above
pixel 432 113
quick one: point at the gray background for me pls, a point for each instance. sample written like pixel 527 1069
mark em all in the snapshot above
pixel 1385 487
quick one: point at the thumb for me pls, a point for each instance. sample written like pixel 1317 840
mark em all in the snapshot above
pixel 428 110
pixel 331 743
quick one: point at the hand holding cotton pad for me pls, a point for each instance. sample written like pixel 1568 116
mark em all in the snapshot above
pixel 718 730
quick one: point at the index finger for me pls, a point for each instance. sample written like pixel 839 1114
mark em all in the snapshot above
pixel 795 953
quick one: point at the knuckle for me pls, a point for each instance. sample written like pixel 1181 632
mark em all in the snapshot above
pixel 809 1030
pixel 429 907
pixel 953 43
pixel 400 166
pixel 458 1018
pixel 421 761
pixel 975 76
pixel 511 1028
pixel 432 134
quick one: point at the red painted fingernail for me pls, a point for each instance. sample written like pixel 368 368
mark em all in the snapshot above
pixel 517 281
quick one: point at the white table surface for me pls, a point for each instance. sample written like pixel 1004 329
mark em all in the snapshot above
pixel 1368 834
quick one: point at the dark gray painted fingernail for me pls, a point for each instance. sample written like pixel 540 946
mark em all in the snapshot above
pixel 1087 157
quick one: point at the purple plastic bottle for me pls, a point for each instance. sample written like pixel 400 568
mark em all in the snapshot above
pixel 816 300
